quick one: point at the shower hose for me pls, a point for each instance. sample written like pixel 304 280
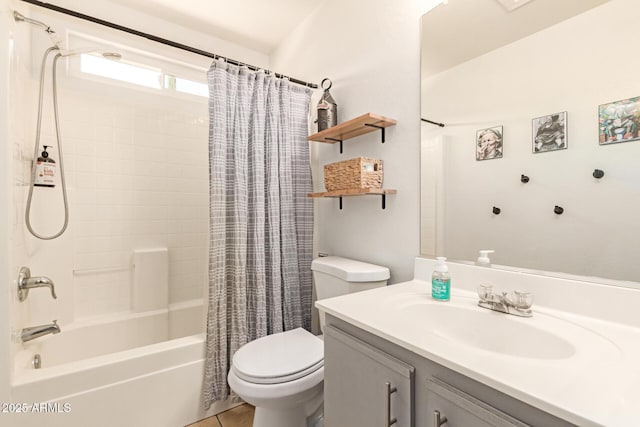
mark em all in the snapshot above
pixel 37 145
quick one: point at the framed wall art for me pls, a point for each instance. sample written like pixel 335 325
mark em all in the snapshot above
pixel 550 132
pixel 489 143
pixel 618 121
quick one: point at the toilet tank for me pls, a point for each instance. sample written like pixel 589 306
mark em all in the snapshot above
pixel 334 276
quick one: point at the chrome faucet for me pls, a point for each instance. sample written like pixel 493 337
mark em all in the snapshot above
pixel 517 303
pixel 26 282
pixel 34 332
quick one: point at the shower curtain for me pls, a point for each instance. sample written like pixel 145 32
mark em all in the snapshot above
pixel 261 221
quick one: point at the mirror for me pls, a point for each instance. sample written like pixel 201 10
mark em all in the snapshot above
pixel 536 76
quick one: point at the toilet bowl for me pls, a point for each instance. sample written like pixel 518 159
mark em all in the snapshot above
pixel 282 374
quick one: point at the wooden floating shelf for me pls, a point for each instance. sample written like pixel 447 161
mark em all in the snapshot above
pixel 354 127
pixel 356 192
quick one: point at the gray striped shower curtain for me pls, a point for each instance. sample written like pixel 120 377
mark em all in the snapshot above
pixel 261 221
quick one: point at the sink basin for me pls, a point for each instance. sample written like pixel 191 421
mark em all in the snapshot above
pixel 489 330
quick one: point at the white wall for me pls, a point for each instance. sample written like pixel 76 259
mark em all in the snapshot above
pixel 371 52
pixel 573 66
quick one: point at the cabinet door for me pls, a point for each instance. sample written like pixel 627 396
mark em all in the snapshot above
pixel 364 386
pixel 461 409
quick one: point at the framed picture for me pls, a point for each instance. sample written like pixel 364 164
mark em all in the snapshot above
pixel 619 120
pixel 550 132
pixel 489 143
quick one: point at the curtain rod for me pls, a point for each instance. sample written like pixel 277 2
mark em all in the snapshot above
pixel 432 122
pixel 156 39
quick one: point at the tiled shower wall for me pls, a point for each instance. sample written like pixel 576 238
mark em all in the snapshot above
pixel 139 172
pixel 137 177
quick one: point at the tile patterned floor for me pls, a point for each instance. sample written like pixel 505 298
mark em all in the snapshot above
pixel 240 416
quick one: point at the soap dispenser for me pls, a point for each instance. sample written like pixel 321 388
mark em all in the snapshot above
pixel 441 281
pixel 45 170
pixel 483 259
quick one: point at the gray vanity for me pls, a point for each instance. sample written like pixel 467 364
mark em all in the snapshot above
pixel 358 365
pixel 396 357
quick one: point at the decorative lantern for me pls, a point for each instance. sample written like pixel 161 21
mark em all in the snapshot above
pixel 327 108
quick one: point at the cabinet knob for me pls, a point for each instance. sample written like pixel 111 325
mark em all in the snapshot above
pixel 387 406
pixel 437 421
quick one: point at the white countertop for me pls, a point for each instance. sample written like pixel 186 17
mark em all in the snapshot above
pixel 597 384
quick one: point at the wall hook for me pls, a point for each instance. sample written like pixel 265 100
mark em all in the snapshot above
pixel 558 210
pixel 597 173
pixel 496 210
pixel 524 178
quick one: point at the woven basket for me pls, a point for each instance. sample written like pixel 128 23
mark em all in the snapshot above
pixel 361 172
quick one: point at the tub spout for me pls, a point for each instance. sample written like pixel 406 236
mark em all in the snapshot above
pixel 34 332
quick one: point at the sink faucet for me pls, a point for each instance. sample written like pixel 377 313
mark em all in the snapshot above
pixel 26 282
pixel 518 303
pixel 34 332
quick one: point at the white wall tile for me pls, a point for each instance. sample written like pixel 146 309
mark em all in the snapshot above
pixel 137 175
pixel 132 188
pixel 122 136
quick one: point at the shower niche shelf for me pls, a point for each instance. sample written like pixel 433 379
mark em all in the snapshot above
pixel 356 192
pixel 355 127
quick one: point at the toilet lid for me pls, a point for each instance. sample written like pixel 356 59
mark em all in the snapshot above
pixel 279 358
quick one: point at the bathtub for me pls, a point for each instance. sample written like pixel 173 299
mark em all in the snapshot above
pixel 128 370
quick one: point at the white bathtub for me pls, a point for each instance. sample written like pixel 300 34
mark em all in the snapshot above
pixel 118 372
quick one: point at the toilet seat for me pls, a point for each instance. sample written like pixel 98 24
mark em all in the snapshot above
pixel 279 358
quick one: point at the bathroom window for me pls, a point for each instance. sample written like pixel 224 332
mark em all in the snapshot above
pixel 119 70
pixel 185 85
pixel 137 68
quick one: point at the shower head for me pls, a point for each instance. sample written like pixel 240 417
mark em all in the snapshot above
pixel 18 17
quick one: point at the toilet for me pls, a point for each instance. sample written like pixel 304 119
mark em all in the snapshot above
pixel 282 374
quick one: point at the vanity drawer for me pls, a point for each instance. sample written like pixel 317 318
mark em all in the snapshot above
pixel 461 409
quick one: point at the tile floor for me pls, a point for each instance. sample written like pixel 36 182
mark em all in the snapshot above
pixel 240 416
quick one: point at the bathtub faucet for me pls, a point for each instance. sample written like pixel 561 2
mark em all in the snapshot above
pixel 26 282
pixel 34 332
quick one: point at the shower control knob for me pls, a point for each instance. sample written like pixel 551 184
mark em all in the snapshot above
pixel 26 282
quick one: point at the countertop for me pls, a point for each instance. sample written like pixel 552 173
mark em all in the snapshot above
pixel 595 384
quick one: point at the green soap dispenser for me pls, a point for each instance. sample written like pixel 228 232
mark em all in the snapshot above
pixel 441 281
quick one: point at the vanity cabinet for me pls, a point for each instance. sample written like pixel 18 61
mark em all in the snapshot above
pixel 366 386
pixel 358 365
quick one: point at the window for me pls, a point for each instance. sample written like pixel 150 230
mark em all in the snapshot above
pixel 137 67
pixel 120 70
pixel 185 86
